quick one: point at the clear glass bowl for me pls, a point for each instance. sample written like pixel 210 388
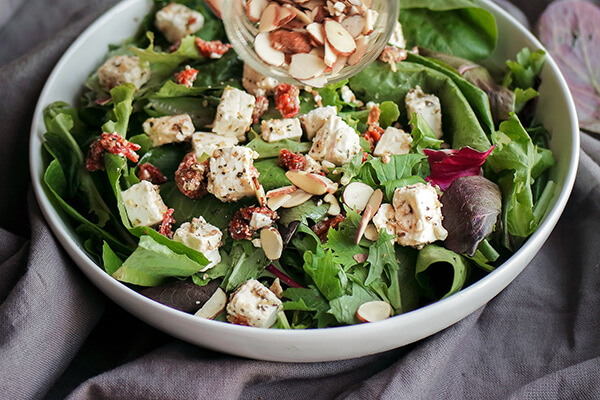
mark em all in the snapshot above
pixel 241 32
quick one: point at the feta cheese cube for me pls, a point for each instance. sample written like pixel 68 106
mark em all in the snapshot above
pixel 336 142
pixel 202 237
pixel 315 119
pixel 170 129
pixel 385 218
pixel 230 173
pixel 234 113
pixel 418 214
pixel 426 105
pixel 258 84
pixel 274 130
pixel 143 204
pixel 348 96
pixel 176 21
pixel 397 38
pixel 260 220
pixel 122 69
pixel 312 165
pixel 393 142
pixel 207 143
pixel 253 304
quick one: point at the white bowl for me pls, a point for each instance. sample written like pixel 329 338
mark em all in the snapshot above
pixel 556 110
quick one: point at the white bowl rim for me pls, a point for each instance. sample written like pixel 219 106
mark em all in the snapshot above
pixel 485 287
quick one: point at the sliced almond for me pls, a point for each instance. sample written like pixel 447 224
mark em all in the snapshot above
pixel 315 31
pixel 354 25
pixel 370 210
pixel 285 14
pixel 281 191
pixel 312 4
pixel 367 3
pixel 271 242
pixel 339 38
pixel 297 198
pixel 317 82
pixel 371 233
pixel 215 5
pixel 356 195
pixel 276 202
pixel 318 14
pixel 213 306
pixel 330 56
pixel 255 8
pixel 260 192
pixel 306 66
pixel 309 182
pixel 269 18
pixel 302 16
pixel 334 205
pixel 262 46
pixel 361 47
pixel 372 311
pixel 340 63
pixel 370 20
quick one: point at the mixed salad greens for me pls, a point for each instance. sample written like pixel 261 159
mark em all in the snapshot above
pixel 490 171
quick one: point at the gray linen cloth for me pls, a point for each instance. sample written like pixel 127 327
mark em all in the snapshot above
pixel 60 338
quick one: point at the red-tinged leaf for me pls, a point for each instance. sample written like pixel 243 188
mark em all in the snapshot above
pixel 569 29
pixel 449 165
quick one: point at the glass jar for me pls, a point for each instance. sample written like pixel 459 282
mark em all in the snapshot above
pixel 241 32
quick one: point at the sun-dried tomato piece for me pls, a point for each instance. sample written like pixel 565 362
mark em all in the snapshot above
pixel 242 226
pixel 114 144
pixel 261 106
pixel 148 172
pixel 187 76
pixel 287 99
pixel 289 160
pixel 393 55
pixel 374 131
pixel 192 177
pixel 323 227
pixel 213 49
pixel 165 228
pixel 365 156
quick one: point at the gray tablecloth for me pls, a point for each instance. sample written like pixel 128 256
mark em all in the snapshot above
pixel 61 338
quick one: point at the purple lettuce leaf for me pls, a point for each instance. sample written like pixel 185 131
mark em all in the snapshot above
pixel 449 165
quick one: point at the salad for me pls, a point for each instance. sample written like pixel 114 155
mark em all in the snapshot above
pixel 221 192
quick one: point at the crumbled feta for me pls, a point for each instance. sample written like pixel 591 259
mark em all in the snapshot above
pixel 207 143
pixel 230 173
pixel 260 220
pixel 234 113
pixel 143 204
pixel 170 129
pixel 274 130
pixel 202 237
pixel 394 141
pixel 427 106
pixel 315 119
pixel 312 165
pixel 397 38
pixel 122 69
pixel 415 217
pixel 336 142
pixel 176 21
pixel 348 95
pixel 258 84
pixel 253 304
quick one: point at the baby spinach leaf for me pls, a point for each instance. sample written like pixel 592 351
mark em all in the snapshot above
pixel 111 261
pixel 152 263
pixel 201 110
pixel 441 272
pixel 182 295
pixel 122 97
pixel 166 158
pixel 460 124
pixel 471 206
pixel 268 150
pixel 456 27
pixel 271 174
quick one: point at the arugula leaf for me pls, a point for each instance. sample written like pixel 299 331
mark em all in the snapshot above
pixel 153 263
pixel 324 272
pixel 344 308
pixel 247 262
pixel 524 71
pixel 340 241
pixel 390 187
pixel 457 27
pixel 311 300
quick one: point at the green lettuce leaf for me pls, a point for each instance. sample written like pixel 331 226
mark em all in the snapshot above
pixel 438 267
pixel 247 262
